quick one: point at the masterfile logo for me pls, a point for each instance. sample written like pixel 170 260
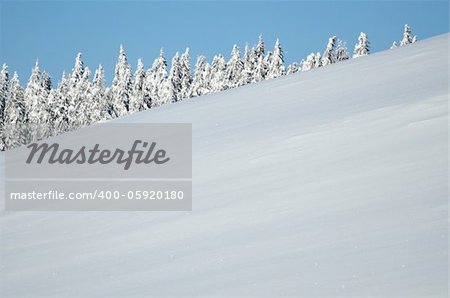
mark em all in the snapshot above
pixel 123 167
pixel 53 154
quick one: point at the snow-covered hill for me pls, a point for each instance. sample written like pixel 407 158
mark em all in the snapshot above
pixel 330 183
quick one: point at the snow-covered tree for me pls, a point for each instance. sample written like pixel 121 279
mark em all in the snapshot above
pixel 167 94
pixel 260 61
pixel 199 84
pixel 186 75
pixel 341 52
pixel 276 66
pixel 137 96
pixel 407 36
pixel 318 60
pixel 100 102
pixel 394 45
pixel 159 76
pixel 83 105
pixel 309 63
pixel 362 48
pixel 4 84
pixel 175 76
pixel 292 68
pixel 15 115
pixel 265 66
pixel 78 95
pixel 36 97
pixel 58 106
pixel 218 74
pixel 122 86
pixel 247 73
pixel 329 55
pixel 235 67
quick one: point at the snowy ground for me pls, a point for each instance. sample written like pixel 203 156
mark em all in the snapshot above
pixel 331 183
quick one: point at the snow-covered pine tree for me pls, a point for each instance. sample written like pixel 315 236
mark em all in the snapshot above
pixel 4 85
pixel 137 96
pixel 318 60
pixel 78 98
pixel 260 48
pixel 4 82
pixel 235 67
pixel 309 63
pixel 199 84
pixel 276 65
pixel 247 73
pixel 167 92
pixel 84 104
pixel 362 48
pixel 341 52
pixel 260 69
pixel 35 97
pixel 329 55
pixel 394 45
pixel 186 75
pixel 175 76
pixel 407 37
pixel 265 66
pixel 218 74
pixel 260 61
pixel 159 76
pixel 15 115
pixel 59 107
pixel 122 86
pixel 100 110
pixel 292 68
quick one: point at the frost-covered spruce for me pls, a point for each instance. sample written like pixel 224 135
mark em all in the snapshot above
pixel 260 48
pixel 235 67
pixel 341 52
pixel 186 75
pixel 265 66
pixel 58 107
pixel 15 114
pixel 308 64
pixel 260 62
pixel 36 97
pixel 329 55
pixel 247 73
pixel 122 86
pixel 362 48
pixel 4 83
pixel 394 45
pixel 175 76
pixel 84 105
pixel 77 95
pixel 318 60
pixel 199 84
pixel 98 98
pixel 276 64
pixel 137 95
pixel 217 77
pixel 407 36
pixel 158 80
pixel 292 68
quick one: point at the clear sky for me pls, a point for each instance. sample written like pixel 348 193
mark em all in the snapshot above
pixel 55 31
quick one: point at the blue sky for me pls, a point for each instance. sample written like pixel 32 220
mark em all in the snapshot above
pixel 55 31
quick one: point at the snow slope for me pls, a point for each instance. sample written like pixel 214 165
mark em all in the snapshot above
pixel 330 183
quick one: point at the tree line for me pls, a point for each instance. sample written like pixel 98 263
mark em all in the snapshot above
pixel 39 110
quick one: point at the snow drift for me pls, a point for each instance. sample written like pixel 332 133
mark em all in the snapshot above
pixel 331 182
